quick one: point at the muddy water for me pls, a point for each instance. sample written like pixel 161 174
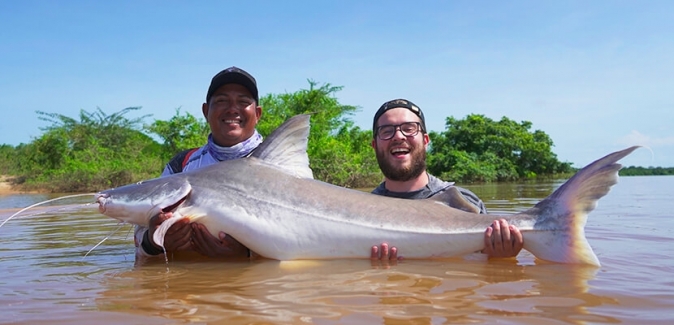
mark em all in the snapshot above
pixel 46 280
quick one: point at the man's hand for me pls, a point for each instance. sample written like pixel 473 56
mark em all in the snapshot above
pixel 177 237
pixel 501 240
pixel 209 245
pixel 387 256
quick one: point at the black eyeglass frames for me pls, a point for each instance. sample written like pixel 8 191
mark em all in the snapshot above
pixel 409 129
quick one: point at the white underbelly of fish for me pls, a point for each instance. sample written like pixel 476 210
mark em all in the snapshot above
pixel 285 237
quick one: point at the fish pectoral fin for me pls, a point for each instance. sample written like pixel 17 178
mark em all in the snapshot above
pixel 160 232
pixel 452 197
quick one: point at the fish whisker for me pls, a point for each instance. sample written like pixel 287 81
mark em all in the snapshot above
pixel 44 202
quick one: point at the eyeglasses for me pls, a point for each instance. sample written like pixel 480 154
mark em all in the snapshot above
pixel 409 129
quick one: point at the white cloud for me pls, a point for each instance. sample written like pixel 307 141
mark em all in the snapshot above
pixel 637 138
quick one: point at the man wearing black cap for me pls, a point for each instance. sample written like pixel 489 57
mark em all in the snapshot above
pixel 400 140
pixel 232 111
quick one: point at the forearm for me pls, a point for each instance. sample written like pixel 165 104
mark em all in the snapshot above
pixel 144 244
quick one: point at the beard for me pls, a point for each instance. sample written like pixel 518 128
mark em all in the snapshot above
pixel 402 173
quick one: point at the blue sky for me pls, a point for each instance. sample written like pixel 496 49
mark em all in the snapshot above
pixel 597 76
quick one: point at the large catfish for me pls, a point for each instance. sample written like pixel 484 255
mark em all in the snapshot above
pixel 270 203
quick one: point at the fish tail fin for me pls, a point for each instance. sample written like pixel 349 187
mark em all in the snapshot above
pixel 559 232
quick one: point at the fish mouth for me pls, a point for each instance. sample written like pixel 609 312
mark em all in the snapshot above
pixel 101 200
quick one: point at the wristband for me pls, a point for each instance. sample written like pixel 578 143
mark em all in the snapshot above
pixel 147 245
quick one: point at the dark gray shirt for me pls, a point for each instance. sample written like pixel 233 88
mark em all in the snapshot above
pixel 434 186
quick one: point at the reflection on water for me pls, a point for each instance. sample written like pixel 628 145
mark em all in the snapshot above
pixel 47 280
pixel 328 292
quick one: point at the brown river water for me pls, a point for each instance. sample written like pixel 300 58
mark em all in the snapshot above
pixel 45 278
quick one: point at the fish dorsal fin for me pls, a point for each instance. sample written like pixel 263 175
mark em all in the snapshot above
pixel 286 147
pixel 453 198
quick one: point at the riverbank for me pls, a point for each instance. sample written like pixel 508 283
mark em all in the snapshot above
pixel 6 186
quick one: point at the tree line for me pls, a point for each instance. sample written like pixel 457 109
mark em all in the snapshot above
pixel 646 171
pixel 97 150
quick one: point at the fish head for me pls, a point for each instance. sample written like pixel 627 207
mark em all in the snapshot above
pixel 137 203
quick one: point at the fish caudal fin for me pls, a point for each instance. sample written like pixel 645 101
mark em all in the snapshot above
pixel 558 233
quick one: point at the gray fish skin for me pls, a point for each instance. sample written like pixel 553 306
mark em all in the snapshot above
pixel 270 203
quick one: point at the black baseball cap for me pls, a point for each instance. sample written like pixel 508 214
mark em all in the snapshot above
pixel 404 103
pixel 233 75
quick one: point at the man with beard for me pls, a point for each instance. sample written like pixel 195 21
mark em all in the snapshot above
pixel 400 140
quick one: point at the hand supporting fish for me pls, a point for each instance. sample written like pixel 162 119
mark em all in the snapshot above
pixel 185 236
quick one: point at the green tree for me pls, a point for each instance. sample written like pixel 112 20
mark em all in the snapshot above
pixel 7 153
pixel 478 148
pixel 339 152
pixel 99 151
pixel 646 171
pixel 180 132
pixel 96 152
